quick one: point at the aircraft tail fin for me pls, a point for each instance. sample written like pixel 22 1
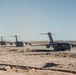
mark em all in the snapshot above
pixel 2 38
pixel 15 37
pixel 49 35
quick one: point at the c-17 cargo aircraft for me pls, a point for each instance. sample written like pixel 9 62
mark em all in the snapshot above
pixel 17 43
pixel 58 46
pixel 2 42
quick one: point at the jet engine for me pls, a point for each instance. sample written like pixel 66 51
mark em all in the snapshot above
pixel 29 43
pixel 47 46
pixel 10 43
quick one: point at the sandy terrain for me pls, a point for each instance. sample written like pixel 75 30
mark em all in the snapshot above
pixel 22 61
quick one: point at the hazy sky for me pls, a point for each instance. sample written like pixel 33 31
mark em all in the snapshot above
pixel 28 18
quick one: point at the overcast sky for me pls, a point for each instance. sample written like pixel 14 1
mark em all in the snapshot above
pixel 29 18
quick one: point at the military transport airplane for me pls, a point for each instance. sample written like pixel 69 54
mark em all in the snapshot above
pixel 58 46
pixel 2 42
pixel 17 43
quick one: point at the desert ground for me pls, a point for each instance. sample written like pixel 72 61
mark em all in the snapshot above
pixel 29 60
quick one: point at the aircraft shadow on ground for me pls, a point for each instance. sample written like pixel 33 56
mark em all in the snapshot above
pixel 42 50
pixel 50 65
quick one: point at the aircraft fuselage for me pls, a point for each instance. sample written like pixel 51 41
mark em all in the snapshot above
pixel 60 46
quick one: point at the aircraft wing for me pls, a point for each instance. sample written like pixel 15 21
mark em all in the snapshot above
pixel 38 45
pixel 47 45
pixel 10 43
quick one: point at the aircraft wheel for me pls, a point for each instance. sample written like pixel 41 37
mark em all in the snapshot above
pixel 69 50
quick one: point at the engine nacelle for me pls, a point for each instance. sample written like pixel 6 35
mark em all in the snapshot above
pixel 72 45
pixel 47 46
pixel 29 43
pixel 10 43
pixel 26 43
